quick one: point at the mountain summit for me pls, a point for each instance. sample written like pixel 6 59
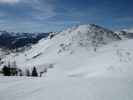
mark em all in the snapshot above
pixel 87 36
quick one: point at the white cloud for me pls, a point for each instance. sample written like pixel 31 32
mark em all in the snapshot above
pixel 35 12
pixel 42 9
pixel 9 1
pixel 36 9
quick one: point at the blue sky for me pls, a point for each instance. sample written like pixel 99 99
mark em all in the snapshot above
pixel 56 15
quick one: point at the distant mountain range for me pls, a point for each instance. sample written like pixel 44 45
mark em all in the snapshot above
pixel 126 34
pixel 12 40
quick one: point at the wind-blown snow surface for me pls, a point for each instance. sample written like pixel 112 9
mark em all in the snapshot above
pixel 88 63
pixel 95 88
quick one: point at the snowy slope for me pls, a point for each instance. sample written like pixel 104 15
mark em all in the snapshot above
pixel 86 62
pixel 85 50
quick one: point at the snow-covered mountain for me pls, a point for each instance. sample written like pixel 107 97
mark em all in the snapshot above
pixel 83 62
pixel 125 34
pixel 12 40
pixel 130 30
pixel 73 50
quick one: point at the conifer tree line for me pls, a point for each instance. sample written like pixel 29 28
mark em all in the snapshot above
pixel 13 70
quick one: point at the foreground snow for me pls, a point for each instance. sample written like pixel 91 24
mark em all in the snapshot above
pixel 94 88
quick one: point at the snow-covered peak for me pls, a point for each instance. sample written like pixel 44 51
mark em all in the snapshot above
pixel 90 29
pixel 87 35
pixel 129 30
pixel 85 28
pixel 126 34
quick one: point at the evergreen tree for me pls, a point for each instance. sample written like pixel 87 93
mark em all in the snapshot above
pixel 20 72
pixel 13 68
pixel 34 72
pixel 6 71
pixel 13 71
pixel 27 72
